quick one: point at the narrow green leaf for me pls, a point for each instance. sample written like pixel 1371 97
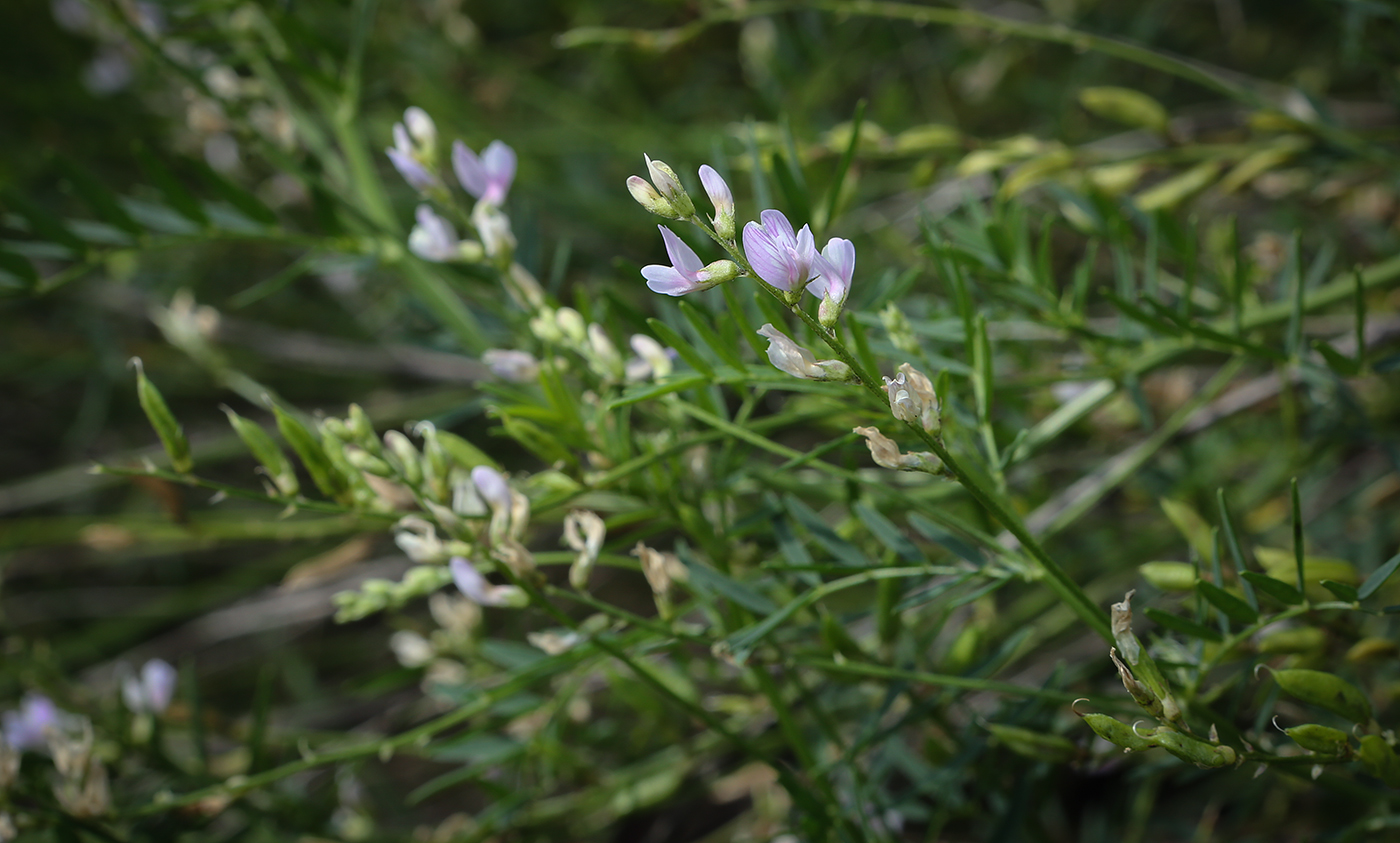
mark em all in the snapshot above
pixel 1358 298
pixel 833 196
pixel 1297 533
pixel 945 539
pixel 1186 627
pixel 1344 592
pixel 308 449
pixel 1277 589
pixel 99 197
pixel 1378 578
pixel 669 336
pixel 822 533
pixel 648 392
pixel 887 533
pixel 20 268
pixel 265 450
pixel 707 580
pixel 1293 278
pixel 244 201
pixel 175 193
pixel 1233 607
pixel 1336 361
pixel 1236 554
pixel 42 224
pixel 723 350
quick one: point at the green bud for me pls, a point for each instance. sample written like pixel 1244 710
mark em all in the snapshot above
pixel 897 326
pixel 1116 732
pixel 437 466
pixel 720 271
pixel 1169 576
pixel 1326 691
pixel 669 186
pixel 1379 760
pixel 312 455
pixel 403 457
pixel 1191 749
pixel 265 450
pixel 335 427
pixel 649 199
pixel 1034 745
pixel 1320 739
pixel 367 462
pixel 177 447
pixel 362 429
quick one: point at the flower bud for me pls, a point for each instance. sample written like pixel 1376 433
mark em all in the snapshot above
pixel 421 128
pixel 367 462
pixel 655 357
pixel 607 362
pixel 897 325
pixel 571 325
pixel 404 458
pixel 722 199
pixel 177 447
pixel 649 199
pixel 669 186
pixel 511 365
pixel 1121 615
pixel 1169 576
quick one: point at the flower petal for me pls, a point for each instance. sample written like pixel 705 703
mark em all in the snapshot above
pixel 770 259
pixel 469 169
pixel 470 581
pixel 777 224
pixel 499 162
pixel 667 281
pixel 683 258
pixel 158 681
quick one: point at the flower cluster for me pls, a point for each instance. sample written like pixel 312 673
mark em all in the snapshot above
pixel 487 177
pixel 784 260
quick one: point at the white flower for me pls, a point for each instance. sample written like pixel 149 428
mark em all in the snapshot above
pixel 797 361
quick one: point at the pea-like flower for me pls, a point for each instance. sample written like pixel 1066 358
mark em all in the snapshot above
pixel 718 191
pixel 687 273
pixel 434 238
pixel 887 455
pixel 833 281
pixel 151 692
pixel 476 588
pixel 415 150
pixel 28 727
pixel 487 177
pixel 492 487
pixel 799 362
pixel 786 260
pixel 511 365
pixel 912 398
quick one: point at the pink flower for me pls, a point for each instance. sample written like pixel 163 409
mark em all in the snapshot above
pixel 687 273
pixel 488 177
pixel 784 259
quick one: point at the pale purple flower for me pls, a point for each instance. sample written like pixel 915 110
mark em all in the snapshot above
pixel 492 487
pixel 511 365
pixel 834 270
pixel 785 260
pixel 433 238
pixel 417 176
pixel 687 273
pixel 721 198
pixel 477 589
pixel 798 361
pixel 152 691
pixel 487 177
pixel 27 728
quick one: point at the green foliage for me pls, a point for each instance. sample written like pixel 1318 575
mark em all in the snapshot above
pixel 1124 319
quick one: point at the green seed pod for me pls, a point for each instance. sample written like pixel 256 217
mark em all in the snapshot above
pixel 1034 745
pixel 1307 639
pixel 1169 576
pixel 177 447
pixel 330 481
pixel 1191 749
pixel 1326 691
pixel 1379 760
pixel 1117 732
pixel 1126 106
pixel 1320 739
pixel 266 451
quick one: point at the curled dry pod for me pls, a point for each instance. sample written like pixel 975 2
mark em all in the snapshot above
pixel 1190 749
pixel 1320 739
pixel 1326 691
pixel 1380 760
pixel 1117 732
pixel 1034 745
